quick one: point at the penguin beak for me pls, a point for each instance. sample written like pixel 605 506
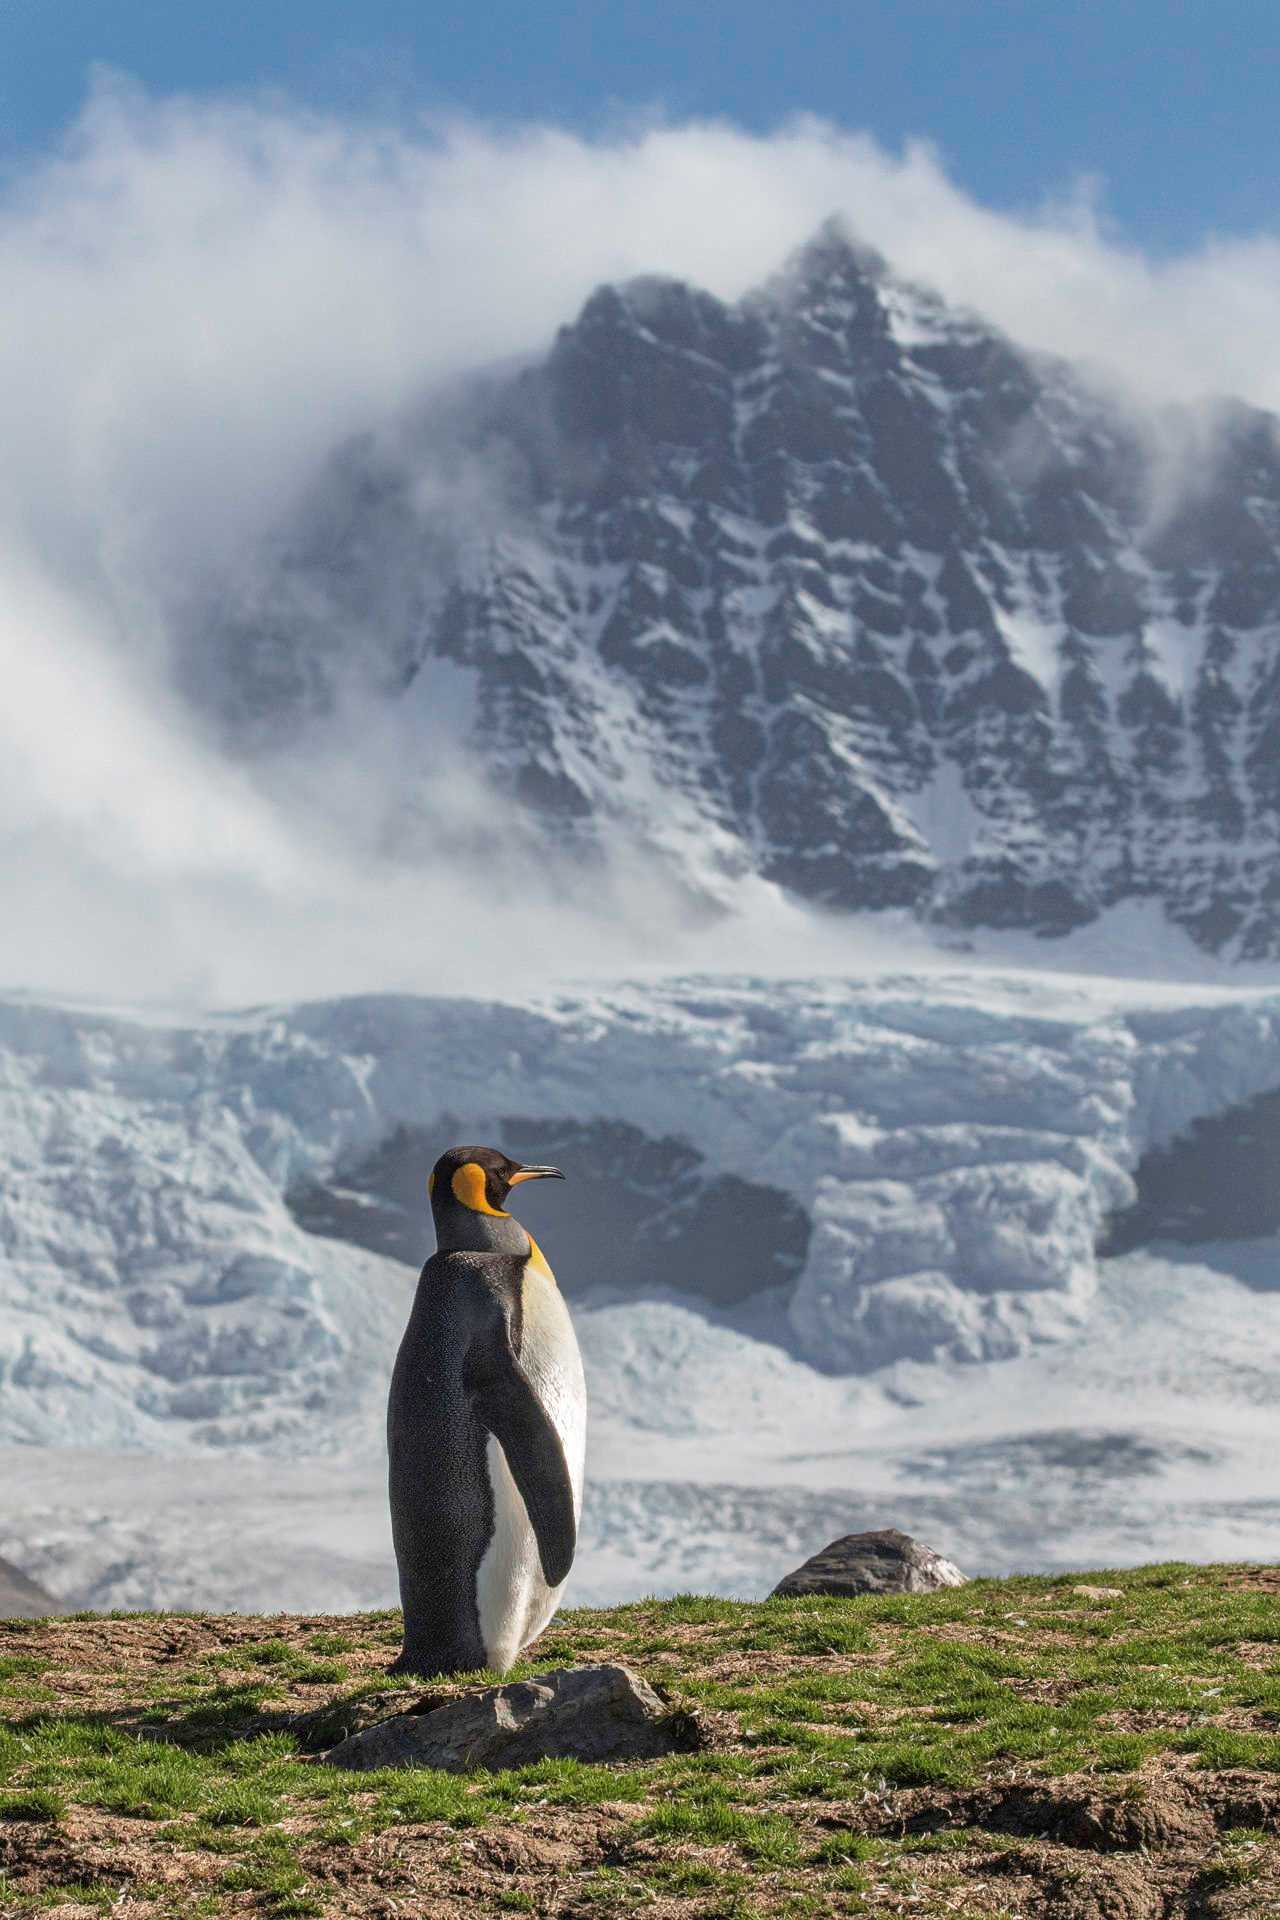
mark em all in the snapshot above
pixel 535 1173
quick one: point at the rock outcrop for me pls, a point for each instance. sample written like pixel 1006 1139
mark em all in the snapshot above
pixel 581 1713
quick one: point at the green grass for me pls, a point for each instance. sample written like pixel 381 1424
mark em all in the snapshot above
pixel 821 1705
pixel 19 1666
pixel 42 1804
pixel 271 1872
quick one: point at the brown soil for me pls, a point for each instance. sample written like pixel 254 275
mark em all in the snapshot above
pixel 1164 1845
pixel 1259 1579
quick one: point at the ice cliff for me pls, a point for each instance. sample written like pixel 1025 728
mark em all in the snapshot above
pixel 925 1166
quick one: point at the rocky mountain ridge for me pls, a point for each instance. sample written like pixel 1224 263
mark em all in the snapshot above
pixel 834 587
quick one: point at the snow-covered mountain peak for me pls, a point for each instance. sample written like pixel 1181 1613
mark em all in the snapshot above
pixel 887 611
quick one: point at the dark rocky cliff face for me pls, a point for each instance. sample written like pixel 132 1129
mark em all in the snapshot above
pixel 837 588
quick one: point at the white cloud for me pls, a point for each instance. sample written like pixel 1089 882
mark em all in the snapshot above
pixel 202 298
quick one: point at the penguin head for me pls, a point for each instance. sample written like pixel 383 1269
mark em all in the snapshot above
pixel 469 1187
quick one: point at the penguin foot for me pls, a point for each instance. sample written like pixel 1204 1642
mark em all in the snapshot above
pixel 431 1666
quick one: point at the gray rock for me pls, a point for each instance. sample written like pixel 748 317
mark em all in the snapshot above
pixel 22 1598
pixel 881 1562
pixel 580 1713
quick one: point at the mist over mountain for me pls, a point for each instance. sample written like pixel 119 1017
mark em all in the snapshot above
pixel 831 587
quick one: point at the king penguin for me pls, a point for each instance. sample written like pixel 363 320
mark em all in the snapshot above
pixel 486 1429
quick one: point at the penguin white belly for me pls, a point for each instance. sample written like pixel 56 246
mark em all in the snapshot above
pixel 513 1599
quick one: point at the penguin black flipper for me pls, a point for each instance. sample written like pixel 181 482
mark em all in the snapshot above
pixel 508 1406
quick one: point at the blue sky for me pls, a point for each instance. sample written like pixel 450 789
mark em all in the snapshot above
pixel 1171 105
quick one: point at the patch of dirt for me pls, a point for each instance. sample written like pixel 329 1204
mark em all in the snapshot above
pixel 1241 1798
pixel 1165 1808
pixel 1158 1846
pixel 90 1664
pixel 1050 1690
pixel 1066 1887
pixel 86 1848
pixel 544 1855
pixel 1146 1720
pixel 37 1854
pixel 1258 1579
pixel 1144 1816
pixel 1219 1895
pixel 1259 1654
pixel 748 1667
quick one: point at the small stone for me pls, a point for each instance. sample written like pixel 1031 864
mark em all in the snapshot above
pixel 1099 1593
pixel 581 1713
pixel 885 1561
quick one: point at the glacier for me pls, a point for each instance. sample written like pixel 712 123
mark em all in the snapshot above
pixel 193 1382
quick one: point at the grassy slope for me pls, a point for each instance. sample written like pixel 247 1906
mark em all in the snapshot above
pixel 1104 1746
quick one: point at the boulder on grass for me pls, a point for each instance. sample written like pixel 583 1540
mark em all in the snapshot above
pixel 885 1561
pixel 580 1713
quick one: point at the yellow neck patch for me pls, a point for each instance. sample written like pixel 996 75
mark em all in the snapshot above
pixel 538 1261
pixel 468 1186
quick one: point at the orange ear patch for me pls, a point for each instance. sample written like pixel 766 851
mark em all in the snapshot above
pixel 431 1183
pixel 468 1186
